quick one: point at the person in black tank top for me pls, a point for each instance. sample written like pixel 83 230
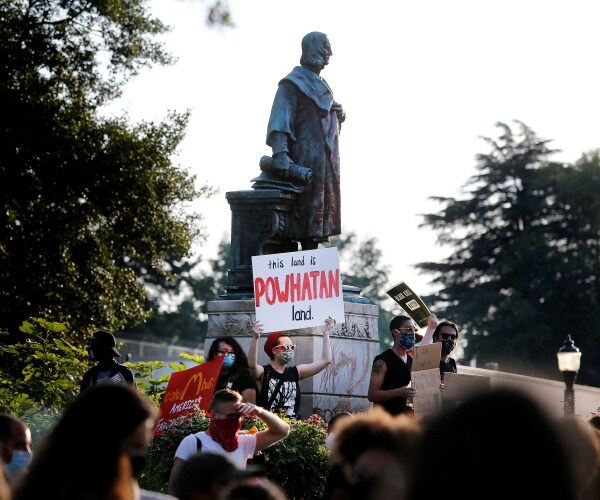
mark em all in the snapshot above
pixel 279 391
pixel 389 385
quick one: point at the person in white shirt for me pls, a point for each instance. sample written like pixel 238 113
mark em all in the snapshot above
pixel 223 434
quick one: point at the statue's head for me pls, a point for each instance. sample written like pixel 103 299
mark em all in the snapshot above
pixel 316 50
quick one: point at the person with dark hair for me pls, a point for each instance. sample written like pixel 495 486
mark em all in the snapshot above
pixel 447 333
pixel 96 450
pixel 103 350
pixel 205 475
pixel 235 373
pixel 15 445
pixel 279 389
pixel 505 442
pixel 583 448
pixel 390 382
pixel 303 129
pixel 375 451
pixel 223 434
pixel 263 490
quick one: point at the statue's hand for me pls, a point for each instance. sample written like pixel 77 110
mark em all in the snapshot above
pixel 339 111
pixel 282 164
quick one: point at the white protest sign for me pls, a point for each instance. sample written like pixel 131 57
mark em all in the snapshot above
pixel 297 289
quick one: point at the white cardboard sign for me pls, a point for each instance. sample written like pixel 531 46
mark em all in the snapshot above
pixel 297 289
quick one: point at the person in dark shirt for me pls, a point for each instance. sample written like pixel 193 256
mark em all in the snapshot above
pixel 279 389
pixel 235 373
pixel 103 349
pixel 446 332
pixel 390 383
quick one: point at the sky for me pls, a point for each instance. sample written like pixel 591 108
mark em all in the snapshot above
pixel 421 83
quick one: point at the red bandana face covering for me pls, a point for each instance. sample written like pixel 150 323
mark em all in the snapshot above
pixel 225 432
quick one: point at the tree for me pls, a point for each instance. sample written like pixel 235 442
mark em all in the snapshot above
pixel 525 263
pixel 361 265
pixel 180 304
pixel 92 207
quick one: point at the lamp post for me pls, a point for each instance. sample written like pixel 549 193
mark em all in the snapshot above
pixel 569 359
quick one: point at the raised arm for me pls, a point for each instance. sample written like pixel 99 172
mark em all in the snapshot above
pixel 276 430
pixel 432 322
pixel 256 371
pixel 310 369
pixel 376 394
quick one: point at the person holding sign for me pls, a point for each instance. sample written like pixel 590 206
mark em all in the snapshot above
pixel 223 434
pixel 390 385
pixel 278 383
pixel 446 332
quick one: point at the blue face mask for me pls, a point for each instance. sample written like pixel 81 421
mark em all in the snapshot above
pixel 406 340
pixel 229 360
pixel 19 462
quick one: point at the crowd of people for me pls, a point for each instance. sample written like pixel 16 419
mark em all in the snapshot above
pixel 493 444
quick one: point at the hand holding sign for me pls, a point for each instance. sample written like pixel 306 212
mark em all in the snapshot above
pixel 295 290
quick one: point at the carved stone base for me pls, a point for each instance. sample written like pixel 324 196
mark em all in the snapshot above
pixel 340 387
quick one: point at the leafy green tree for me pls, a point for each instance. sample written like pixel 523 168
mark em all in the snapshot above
pixel 194 283
pixel 49 371
pixel 525 262
pixel 362 266
pixel 92 207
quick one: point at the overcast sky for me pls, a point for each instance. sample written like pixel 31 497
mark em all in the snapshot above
pixel 420 83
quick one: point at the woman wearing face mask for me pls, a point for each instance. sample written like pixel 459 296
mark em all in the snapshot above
pixel 235 373
pixel 390 383
pixel 15 446
pixel 279 390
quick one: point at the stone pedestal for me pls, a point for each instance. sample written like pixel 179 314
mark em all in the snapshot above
pixel 260 225
pixel 343 385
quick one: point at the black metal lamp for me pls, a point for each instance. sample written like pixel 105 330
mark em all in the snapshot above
pixel 569 360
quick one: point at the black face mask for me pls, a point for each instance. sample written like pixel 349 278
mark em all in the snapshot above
pixel 448 346
pixel 138 463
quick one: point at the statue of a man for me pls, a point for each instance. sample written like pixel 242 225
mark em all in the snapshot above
pixel 303 130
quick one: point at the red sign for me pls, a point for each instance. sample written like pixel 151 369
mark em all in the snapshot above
pixel 188 389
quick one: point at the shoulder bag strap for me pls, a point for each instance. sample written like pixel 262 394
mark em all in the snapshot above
pixel 275 392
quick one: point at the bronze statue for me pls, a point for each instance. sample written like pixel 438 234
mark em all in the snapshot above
pixel 303 134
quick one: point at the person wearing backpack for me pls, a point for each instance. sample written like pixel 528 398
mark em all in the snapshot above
pixel 223 436
pixel 278 383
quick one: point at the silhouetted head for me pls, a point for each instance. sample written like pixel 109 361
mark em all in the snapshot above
pixel 504 440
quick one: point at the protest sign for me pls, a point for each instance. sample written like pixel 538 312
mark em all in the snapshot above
pixel 297 289
pixel 186 390
pixel 410 302
pixel 458 386
pixel 425 378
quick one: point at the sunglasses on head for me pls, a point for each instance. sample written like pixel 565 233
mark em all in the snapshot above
pixel 448 336
pixel 286 347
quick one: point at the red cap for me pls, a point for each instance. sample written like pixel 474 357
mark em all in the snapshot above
pixel 271 341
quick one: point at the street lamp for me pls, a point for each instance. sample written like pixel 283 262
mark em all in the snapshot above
pixel 569 359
